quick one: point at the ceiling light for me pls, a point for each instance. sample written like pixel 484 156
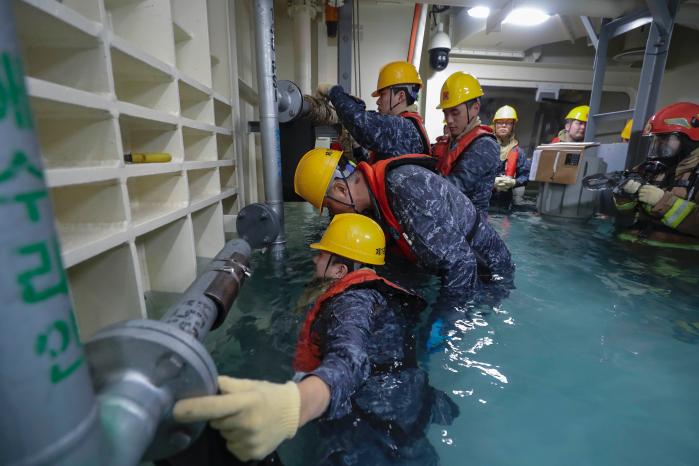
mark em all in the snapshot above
pixel 479 12
pixel 526 17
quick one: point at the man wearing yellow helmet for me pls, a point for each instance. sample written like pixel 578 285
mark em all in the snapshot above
pixel 514 167
pixel 356 338
pixel 574 130
pixel 469 158
pixel 396 128
pixel 427 218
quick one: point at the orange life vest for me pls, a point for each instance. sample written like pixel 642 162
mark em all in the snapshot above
pixel 447 158
pixel 308 355
pixel 555 140
pixel 416 118
pixel 511 163
pixel 375 176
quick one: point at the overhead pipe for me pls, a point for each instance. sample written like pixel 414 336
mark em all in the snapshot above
pixel 422 24
pixel 269 126
pixel 417 34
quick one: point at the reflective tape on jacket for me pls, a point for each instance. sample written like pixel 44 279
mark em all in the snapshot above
pixel 677 213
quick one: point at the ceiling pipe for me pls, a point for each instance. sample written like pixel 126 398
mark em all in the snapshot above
pixel 419 37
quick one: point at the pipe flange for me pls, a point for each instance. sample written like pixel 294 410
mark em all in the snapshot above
pixel 257 224
pixel 167 360
pixel 290 101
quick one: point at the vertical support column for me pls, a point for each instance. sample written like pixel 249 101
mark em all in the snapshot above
pixel 49 414
pixel 269 126
pixel 302 12
pixel 344 46
pixel 599 68
pixel 654 59
pixel 419 37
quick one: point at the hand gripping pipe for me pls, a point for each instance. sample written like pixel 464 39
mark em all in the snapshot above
pixel 52 412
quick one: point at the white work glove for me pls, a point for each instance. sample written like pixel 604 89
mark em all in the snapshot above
pixel 631 187
pixel 252 415
pixel 323 89
pixel 504 183
pixel 649 194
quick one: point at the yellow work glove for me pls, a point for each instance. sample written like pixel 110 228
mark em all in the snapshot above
pixel 252 415
pixel 631 187
pixel 649 194
pixel 323 89
pixel 504 183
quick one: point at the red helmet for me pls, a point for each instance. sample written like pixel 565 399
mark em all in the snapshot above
pixel 680 117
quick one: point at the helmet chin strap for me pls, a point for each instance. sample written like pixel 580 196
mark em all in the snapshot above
pixel 390 100
pixel 351 203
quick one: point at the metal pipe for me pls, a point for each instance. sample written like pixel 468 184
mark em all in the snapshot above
pixel 302 13
pixel 269 126
pixel 344 46
pixel 48 407
pixel 205 304
pixel 417 52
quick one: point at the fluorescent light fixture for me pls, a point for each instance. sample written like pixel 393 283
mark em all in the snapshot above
pixel 479 12
pixel 526 17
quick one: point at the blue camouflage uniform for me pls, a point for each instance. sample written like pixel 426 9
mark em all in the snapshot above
pixel 381 403
pixel 387 135
pixel 475 170
pixel 448 235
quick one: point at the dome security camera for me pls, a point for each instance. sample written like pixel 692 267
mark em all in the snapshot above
pixel 440 45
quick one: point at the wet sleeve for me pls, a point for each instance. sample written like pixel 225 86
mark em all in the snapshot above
pixel 345 365
pixel 523 168
pixel 437 231
pixel 382 133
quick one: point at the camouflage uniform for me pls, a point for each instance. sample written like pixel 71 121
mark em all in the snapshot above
pixel 438 220
pixel 475 170
pixel 381 403
pixel 387 135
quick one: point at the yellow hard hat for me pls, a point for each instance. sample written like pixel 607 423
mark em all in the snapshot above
pixel 354 237
pixel 579 113
pixel 505 113
pixel 394 73
pixel 626 132
pixel 314 173
pixel 460 87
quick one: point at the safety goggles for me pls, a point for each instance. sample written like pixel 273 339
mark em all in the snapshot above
pixel 663 146
pixel 343 171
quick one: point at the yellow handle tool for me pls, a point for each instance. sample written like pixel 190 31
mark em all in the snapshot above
pixel 148 157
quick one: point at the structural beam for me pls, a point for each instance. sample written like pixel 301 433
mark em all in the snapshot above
pixel 591 33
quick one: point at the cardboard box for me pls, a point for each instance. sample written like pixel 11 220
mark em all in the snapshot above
pixel 558 163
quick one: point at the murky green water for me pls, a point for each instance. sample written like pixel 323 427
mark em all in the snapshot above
pixel 592 360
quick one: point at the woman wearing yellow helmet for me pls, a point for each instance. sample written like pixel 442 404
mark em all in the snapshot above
pixel 397 128
pixel 469 158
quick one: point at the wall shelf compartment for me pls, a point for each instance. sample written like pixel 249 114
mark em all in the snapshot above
pixel 191 40
pixel 88 213
pixel 141 84
pixel 137 21
pixel 155 196
pixel 224 145
pixel 203 184
pixel 208 231
pixel 195 104
pixel 58 52
pixel 166 257
pixel 228 177
pixel 142 135
pixel 198 145
pixel 222 113
pixel 73 136
pixel 105 290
